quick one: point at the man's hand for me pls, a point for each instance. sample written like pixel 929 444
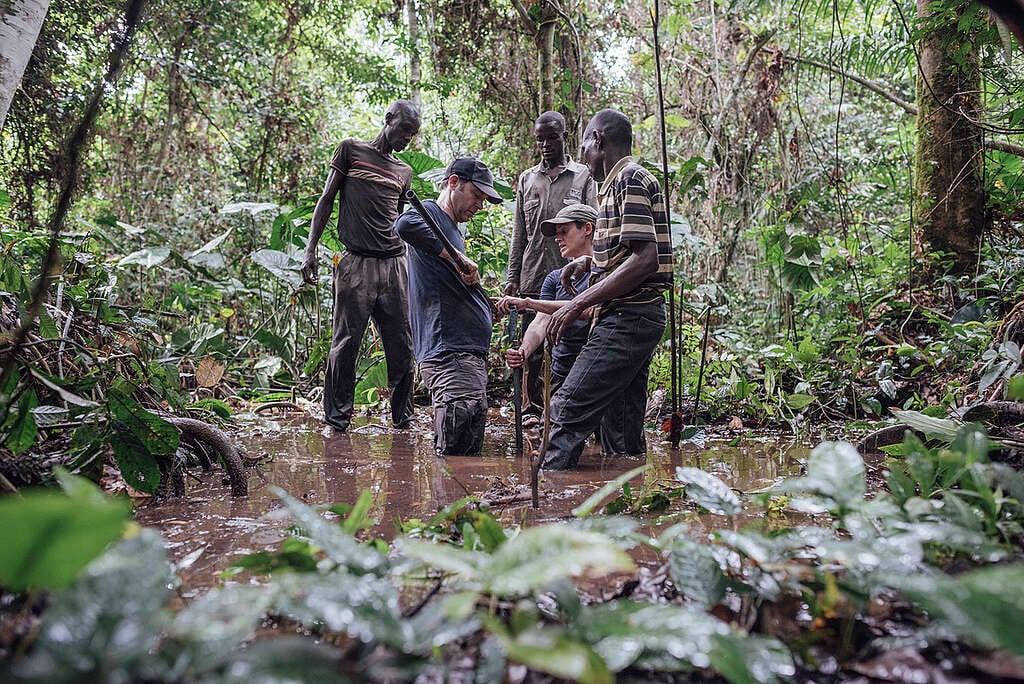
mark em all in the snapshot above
pixel 503 305
pixel 512 289
pixel 309 268
pixel 561 320
pixel 468 271
pixel 515 358
pixel 572 271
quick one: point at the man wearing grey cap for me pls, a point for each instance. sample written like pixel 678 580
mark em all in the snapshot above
pixel 451 320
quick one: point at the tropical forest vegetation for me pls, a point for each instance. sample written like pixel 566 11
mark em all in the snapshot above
pixel 846 190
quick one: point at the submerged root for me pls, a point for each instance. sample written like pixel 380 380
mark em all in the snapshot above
pixel 197 432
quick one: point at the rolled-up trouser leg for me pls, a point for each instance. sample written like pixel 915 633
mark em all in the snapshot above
pixel 353 300
pixel 391 316
pixel 614 361
pixel 458 391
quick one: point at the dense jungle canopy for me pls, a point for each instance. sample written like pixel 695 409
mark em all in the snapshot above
pixel 846 182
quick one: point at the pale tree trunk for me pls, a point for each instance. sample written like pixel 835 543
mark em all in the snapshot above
pixel 415 63
pixel 20 23
pixel 949 198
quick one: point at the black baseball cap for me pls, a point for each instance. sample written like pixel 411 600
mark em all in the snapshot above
pixel 473 170
pixel 574 213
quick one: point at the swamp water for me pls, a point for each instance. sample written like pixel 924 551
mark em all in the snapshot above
pixel 207 529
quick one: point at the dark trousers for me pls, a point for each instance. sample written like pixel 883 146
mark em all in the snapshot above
pixel 607 387
pixel 369 288
pixel 458 392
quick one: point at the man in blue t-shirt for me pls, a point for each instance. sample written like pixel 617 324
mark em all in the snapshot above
pixel 450 319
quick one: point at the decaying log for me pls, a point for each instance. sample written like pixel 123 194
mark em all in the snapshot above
pixel 873 442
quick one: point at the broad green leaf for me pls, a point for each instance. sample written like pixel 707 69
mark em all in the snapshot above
pixel 935 428
pixel 154 433
pixel 282 266
pixel 107 625
pixel 984 607
pixel 218 623
pixel 696 573
pixel 538 556
pixel 465 564
pixel 252 208
pixel 835 471
pixel 23 430
pixel 743 659
pixel 630 633
pixel 800 401
pixel 210 245
pixel 340 547
pixel 147 257
pixel 363 606
pixel 609 488
pixel 49 536
pixel 358 518
pixel 137 464
pixel 551 650
pixel 708 492
pixel 280 660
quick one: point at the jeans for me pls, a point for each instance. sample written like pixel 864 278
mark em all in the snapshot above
pixel 607 387
pixel 458 391
pixel 365 288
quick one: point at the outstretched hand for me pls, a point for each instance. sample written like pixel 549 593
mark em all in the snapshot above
pixel 572 271
pixel 504 304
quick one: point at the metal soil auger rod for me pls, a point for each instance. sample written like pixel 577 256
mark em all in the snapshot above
pixel 676 420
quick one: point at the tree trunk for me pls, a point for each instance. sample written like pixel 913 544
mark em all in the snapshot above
pixel 949 198
pixel 19 28
pixel 415 63
pixel 545 60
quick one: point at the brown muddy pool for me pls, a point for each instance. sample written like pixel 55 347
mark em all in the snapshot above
pixel 207 528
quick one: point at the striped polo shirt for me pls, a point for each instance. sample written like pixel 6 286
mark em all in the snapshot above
pixel 631 206
pixel 370 194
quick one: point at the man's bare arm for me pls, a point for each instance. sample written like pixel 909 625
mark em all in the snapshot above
pixel 321 214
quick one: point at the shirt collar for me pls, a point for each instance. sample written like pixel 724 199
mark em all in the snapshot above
pixel 570 165
pixel 613 174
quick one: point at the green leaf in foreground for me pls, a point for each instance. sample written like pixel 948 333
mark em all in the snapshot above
pixel 708 492
pixel 551 650
pixel 588 506
pixel 984 607
pixel 49 536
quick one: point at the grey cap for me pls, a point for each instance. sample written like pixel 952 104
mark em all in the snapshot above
pixel 473 170
pixel 583 213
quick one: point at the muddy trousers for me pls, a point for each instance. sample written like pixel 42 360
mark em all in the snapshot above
pixel 458 391
pixel 369 288
pixel 607 387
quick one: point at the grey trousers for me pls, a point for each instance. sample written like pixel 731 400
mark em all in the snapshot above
pixel 365 288
pixel 458 391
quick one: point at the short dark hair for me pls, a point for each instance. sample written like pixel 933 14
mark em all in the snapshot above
pixel 551 117
pixel 405 109
pixel 615 127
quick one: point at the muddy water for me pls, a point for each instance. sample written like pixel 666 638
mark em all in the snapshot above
pixel 209 528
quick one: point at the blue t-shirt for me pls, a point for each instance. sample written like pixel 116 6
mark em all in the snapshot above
pixel 564 354
pixel 445 315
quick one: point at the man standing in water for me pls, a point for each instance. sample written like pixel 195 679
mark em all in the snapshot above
pixel 541 192
pixel 370 277
pixel 632 267
pixel 451 319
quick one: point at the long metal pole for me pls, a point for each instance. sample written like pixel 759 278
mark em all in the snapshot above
pixel 676 421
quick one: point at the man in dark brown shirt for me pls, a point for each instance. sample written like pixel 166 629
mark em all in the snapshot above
pixel 370 277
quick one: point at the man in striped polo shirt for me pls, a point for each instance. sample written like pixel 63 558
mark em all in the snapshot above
pixel 632 268
pixel 370 278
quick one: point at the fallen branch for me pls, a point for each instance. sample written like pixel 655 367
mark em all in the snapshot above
pixel 197 430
